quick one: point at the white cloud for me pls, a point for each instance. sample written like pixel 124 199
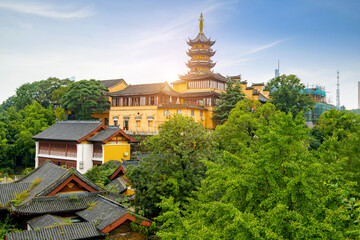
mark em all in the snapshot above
pixel 263 47
pixel 47 10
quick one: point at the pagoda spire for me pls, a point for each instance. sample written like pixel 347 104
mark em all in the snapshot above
pixel 200 51
pixel 201 25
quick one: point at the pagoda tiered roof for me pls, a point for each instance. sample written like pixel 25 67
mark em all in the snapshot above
pixel 200 38
pixel 201 75
pixel 197 51
pixel 209 64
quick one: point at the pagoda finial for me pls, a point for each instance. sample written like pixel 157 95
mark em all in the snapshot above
pixel 201 23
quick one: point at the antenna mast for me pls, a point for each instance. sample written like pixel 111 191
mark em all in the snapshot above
pixel 338 92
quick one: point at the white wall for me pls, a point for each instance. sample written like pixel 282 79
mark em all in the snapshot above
pixel 36 154
pixel 84 157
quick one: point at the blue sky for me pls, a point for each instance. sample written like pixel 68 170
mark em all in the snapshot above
pixel 145 41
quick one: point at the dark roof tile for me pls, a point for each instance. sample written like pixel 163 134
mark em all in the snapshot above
pixel 69 130
pixel 145 89
pixel 107 133
pixel 84 230
pixel 112 82
pixel 46 220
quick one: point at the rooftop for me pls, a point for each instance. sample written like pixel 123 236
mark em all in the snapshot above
pixel 145 89
pixel 70 130
pixel 112 82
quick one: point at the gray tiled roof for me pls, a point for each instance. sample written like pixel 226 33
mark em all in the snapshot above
pixel 68 130
pixel 201 38
pixel 47 172
pixel 84 230
pixel 203 75
pixel 46 220
pixel 145 89
pixel 104 213
pixel 108 132
pixel 66 175
pixel 118 183
pixel 8 190
pixel 55 204
pixel 127 163
pixel 258 84
pixel 263 99
pixel 111 82
pixel 104 134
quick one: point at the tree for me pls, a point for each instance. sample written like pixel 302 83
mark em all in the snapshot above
pixel 238 132
pixel 227 101
pixel 275 191
pixel 173 167
pixel 84 98
pixel 40 91
pixel 340 148
pixel 287 94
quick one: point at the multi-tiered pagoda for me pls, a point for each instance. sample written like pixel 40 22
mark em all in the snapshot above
pixel 200 51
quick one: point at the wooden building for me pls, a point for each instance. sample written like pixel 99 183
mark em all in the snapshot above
pixel 59 203
pixel 81 144
pixel 143 108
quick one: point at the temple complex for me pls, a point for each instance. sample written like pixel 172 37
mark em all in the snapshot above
pixel 143 108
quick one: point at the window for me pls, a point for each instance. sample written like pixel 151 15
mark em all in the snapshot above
pixel 152 100
pixel 106 122
pixel 136 101
pixel 192 113
pixel 125 102
pixel 126 124
pixel 201 114
pixel 138 123
pixel 166 112
pixel 179 111
pixel 150 123
pixel 115 120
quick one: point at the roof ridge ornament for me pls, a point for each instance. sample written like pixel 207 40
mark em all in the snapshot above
pixel 201 25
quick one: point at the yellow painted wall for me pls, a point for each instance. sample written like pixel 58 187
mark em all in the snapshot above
pixel 259 88
pixel 181 87
pixel 116 152
pixel 101 116
pixel 133 111
pixel 117 87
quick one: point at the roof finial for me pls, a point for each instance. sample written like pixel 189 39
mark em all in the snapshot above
pixel 201 23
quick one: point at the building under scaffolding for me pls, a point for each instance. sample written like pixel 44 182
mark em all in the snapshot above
pixel 322 105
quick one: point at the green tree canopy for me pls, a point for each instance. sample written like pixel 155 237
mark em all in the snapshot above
pixel 287 94
pixel 227 101
pixel 40 91
pixel 84 98
pixel 173 167
pixel 275 191
pixel 238 132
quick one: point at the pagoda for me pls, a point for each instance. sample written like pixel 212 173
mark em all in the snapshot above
pixel 200 51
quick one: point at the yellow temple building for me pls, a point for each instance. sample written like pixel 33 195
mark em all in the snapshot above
pixel 142 108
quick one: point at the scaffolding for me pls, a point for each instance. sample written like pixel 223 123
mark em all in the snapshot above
pixel 318 95
pixel 314 115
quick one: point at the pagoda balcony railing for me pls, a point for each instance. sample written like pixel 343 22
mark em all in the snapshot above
pixel 59 153
pixel 186 102
pixel 202 61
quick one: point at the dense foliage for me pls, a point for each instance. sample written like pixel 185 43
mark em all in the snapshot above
pixel 33 108
pixel 269 184
pixel 101 174
pixel 287 94
pixel 227 101
pixel 84 98
pixel 173 167
pixel 8 225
